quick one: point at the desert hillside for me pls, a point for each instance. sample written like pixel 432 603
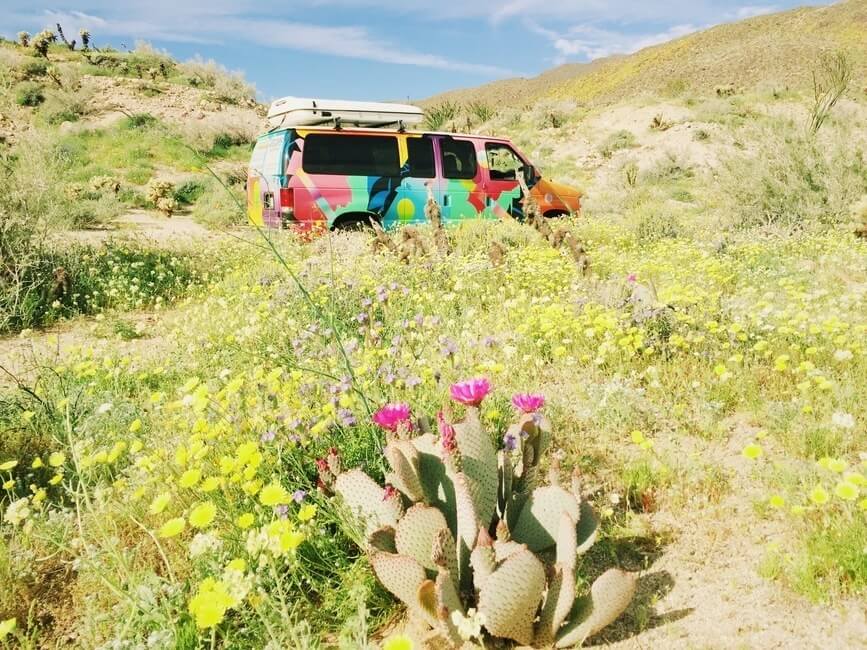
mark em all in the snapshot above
pixel 775 51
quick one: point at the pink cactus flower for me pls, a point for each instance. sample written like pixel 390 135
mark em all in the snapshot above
pixel 471 392
pixel 389 493
pixel 632 277
pixel 447 434
pixel 528 402
pixel 390 416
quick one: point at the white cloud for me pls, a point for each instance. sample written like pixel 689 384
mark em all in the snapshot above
pixel 353 42
pixel 755 10
pixel 586 42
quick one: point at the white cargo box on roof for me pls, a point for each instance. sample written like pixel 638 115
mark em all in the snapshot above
pixel 302 111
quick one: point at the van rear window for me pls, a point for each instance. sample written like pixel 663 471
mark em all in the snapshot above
pixel 351 155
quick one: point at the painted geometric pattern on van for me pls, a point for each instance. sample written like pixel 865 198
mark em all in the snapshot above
pixel 330 196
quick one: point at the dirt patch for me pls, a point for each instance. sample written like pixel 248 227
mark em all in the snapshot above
pixel 22 357
pixel 176 231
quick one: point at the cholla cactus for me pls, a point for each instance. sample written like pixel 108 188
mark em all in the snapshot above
pixel 105 183
pixel 24 39
pixel 85 39
pixel 42 41
pixel 167 206
pixel 465 532
pixel 160 194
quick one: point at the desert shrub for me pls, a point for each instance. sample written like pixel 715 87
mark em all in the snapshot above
pixel 67 104
pixel 139 121
pixel 436 117
pixel 481 111
pixel 670 168
pixel 31 69
pixel 830 81
pixel 189 192
pixel 618 140
pixel 795 181
pixel 226 86
pixel 659 123
pixel 630 173
pixel 220 205
pixel 655 224
pixel 29 94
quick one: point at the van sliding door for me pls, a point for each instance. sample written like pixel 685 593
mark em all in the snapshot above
pixel 462 193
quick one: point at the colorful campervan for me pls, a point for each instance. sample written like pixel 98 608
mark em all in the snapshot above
pixel 334 164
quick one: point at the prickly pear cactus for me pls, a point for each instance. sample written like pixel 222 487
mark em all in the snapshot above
pixel 467 539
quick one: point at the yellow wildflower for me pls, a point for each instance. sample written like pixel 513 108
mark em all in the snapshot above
pixel 273 495
pixel 159 503
pixel 752 451
pixel 203 515
pixel 245 521
pixel 190 478
pixel 846 491
pixel 819 495
pixel 398 642
pixel 173 527
pixel 307 512
pixel 56 459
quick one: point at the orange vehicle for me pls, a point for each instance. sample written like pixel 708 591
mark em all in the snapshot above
pixel 314 176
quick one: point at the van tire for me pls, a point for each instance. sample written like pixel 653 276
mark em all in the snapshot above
pixel 556 214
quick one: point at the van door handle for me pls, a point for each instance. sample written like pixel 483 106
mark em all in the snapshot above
pixel 445 199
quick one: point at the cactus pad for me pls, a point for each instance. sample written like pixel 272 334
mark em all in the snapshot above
pixel 479 463
pixel 403 458
pixel 610 594
pixel 417 531
pixel 588 527
pixel 468 528
pixel 435 482
pixel 559 600
pixel 403 577
pixel 366 500
pixel 539 520
pixel 448 601
pixel 567 542
pixel 511 595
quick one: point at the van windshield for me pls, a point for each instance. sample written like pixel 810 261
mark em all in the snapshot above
pixel 351 155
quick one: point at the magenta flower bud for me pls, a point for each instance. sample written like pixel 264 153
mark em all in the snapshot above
pixel 528 402
pixel 471 392
pixel 447 434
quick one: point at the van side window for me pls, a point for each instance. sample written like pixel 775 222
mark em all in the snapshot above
pixel 421 157
pixel 351 155
pixel 458 158
pixel 503 162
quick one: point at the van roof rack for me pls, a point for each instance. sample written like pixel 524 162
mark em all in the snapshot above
pixel 303 111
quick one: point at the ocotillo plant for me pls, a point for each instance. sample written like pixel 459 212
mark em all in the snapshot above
pixel 467 537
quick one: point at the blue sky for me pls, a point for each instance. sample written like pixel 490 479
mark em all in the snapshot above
pixel 381 49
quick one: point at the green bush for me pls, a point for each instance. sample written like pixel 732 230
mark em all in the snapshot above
pixel 139 121
pixel 29 94
pixel 32 69
pixel 796 181
pixel 189 192
pixel 218 206
pixel 616 141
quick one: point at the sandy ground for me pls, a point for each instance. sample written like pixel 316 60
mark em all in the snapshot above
pixel 175 231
